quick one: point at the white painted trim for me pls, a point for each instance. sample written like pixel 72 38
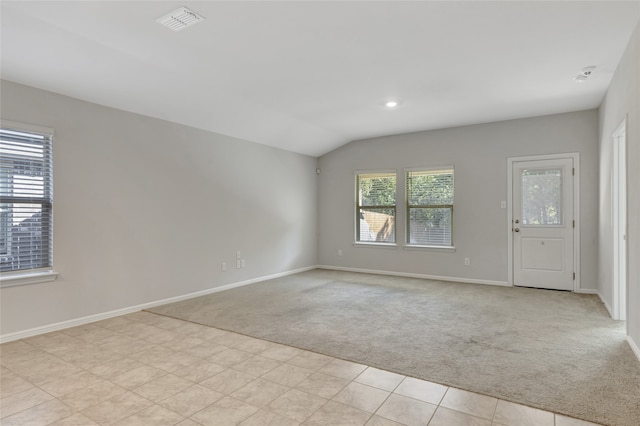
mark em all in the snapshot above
pixel 619 250
pixel 375 245
pixel 12 280
pixel 118 312
pixel 509 223
pixel 430 169
pixel 587 291
pixel 634 347
pixel 441 249
pixel 9 337
pixel 25 127
pixel 410 275
pixel 576 214
pixel 606 305
pixel 575 156
pixel 375 171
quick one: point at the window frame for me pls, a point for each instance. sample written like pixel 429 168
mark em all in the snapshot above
pixel 44 273
pixel 356 216
pixel 436 247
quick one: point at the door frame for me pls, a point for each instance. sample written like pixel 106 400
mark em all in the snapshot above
pixel 619 213
pixel 575 156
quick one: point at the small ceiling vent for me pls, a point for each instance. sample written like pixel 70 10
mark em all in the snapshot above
pixel 180 19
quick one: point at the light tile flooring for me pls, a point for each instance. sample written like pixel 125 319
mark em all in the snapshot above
pixel 146 369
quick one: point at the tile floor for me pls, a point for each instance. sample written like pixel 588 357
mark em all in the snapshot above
pixel 146 369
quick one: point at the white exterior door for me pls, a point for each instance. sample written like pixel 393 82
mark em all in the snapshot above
pixel 543 223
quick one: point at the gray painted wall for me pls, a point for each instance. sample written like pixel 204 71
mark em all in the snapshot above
pixel 145 210
pixel 479 154
pixel 622 99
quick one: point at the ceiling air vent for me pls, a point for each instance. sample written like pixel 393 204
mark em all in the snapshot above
pixel 180 19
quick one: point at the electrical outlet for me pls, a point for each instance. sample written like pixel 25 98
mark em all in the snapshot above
pixel 238 254
pixel 467 261
pixel 243 263
pixel 224 266
pixel 238 264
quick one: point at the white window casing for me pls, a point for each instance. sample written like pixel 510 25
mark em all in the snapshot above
pixel 26 204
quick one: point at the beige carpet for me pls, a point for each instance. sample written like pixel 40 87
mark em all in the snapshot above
pixel 553 350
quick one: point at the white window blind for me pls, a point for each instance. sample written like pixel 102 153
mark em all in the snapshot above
pixel 376 207
pixel 26 197
pixel 430 207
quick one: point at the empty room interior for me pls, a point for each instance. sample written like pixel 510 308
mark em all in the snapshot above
pixel 320 213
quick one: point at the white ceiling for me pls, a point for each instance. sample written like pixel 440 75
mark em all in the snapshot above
pixel 311 76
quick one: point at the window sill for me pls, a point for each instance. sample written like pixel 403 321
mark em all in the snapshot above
pixel 16 279
pixel 447 249
pixel 377 245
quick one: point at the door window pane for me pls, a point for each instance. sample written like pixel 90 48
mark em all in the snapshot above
pixel 542 196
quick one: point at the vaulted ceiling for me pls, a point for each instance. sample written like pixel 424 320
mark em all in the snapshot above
pixel 309 76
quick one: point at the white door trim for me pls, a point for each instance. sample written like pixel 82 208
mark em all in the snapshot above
pixel 575 156
pixel 620 257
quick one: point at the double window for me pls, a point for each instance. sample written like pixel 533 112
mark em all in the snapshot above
pixel 429 207
pixel 26 201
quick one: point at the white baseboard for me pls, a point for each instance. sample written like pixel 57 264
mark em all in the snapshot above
pixel 588 291
pixel 606 305
pixel 17 335
pixel 410 275
pixel 634 347
pixel 118 312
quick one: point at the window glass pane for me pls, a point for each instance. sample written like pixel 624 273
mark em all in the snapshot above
pixel 430 207
pixel 430 226
pixel 377 225
pixel 376 207
pixel 25 200
pixel 542 196
pixel 430 188
pixel 23 241
pixel 377 189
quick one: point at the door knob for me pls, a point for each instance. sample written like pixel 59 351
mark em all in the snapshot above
pixel 517 229
pixel 517 220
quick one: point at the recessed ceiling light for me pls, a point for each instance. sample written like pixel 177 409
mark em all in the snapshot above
pixel 391 104
pixel 180 19
pixel 584 74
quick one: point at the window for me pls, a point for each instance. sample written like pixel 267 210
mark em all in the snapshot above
pixel 26 196
pixel 376 207
pixel 430 207
pixel 542 196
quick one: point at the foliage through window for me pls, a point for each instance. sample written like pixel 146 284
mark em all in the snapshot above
pixel 26 196
pixel 430 207
pixel 542 196
pixel 376 207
